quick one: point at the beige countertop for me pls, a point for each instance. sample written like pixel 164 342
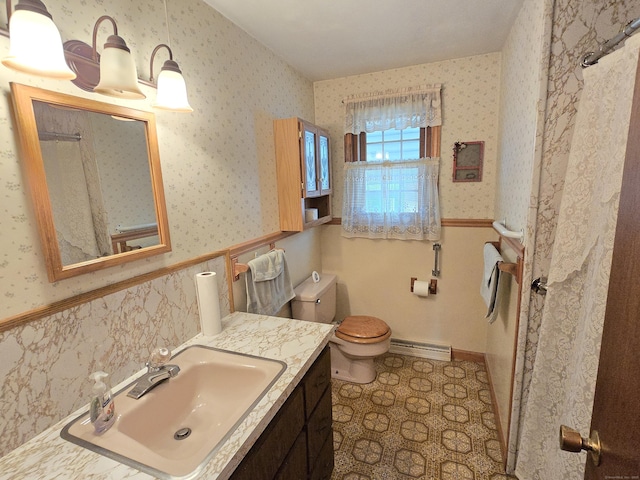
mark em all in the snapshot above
pixel 295 342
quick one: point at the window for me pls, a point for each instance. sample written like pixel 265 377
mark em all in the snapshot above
pixel 407 144
pixel 400 193
pixel 392 145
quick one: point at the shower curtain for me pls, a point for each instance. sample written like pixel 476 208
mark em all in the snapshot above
pixel 566 364
pixel 69 201
pixel 74 183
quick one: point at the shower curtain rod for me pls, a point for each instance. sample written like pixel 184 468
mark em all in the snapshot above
pixel 592 58
pixel 65 137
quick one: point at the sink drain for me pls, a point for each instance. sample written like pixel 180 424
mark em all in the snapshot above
pixel 182 433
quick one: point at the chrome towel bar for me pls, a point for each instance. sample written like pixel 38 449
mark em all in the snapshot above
pixel 505 232
pixel 436 267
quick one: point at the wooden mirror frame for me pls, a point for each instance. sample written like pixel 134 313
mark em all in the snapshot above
pixel 23 97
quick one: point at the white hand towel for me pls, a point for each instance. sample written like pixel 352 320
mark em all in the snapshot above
pixel 490 279
pixel 268 283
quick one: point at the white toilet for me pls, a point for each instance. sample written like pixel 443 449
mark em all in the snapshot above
pixel 356 341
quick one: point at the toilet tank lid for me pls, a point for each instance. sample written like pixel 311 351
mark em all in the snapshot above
pixel 308 291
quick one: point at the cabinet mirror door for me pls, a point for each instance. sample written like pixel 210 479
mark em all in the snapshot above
pixel 310 167
pixel 325 166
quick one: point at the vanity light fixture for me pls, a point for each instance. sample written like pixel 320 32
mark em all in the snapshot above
pixel 118 74
pixel 113 73
pixel 172 90
pixel 35 43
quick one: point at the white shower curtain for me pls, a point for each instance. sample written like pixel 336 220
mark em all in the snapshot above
pixel 69 201
pixel 566 364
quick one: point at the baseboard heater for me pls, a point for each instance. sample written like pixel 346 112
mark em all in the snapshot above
pixel 421 350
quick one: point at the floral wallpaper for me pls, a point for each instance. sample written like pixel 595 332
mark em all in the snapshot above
pixel 218 162
pixel 218 168
pixel 524 84
pixel 523 94
pixel 470 102
pixel 121 154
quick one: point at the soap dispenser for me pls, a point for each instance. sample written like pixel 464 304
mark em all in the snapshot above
pixel 102 411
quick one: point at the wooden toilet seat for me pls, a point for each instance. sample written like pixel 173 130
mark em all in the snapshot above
pixel 363 329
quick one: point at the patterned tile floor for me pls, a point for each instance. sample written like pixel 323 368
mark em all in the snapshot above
pixel 420 419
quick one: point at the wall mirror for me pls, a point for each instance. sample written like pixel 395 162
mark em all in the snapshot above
pixel 94 174
pixel 467 161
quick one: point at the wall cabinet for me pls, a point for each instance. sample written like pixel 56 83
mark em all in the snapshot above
pixel 298 443
pixel 303 166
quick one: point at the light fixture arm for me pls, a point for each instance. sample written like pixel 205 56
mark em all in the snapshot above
pixel 8 5
pixel 172 91
pixel 169 65
pixel 153 55
pixel 113 40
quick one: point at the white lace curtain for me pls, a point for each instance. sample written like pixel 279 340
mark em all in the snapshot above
pixel 566 363
pixel 392 199
pixel 414 107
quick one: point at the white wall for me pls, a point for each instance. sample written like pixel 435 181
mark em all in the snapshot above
pixel 374 275
pixel 374 278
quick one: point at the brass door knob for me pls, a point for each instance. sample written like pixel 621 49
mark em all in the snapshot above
pixel 571 441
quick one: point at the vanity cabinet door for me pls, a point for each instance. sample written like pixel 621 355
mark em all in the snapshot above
pixel 319 428
pixel 318 409
pixel 295 465
pixel 316 381
pixel 298 443
pixel 268 454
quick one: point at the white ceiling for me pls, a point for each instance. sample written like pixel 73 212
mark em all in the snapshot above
pixel 328 39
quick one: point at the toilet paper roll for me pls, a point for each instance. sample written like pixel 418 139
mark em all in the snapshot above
pixel 310 214
pixel 208 303
pixel 421 288
pixel 315 276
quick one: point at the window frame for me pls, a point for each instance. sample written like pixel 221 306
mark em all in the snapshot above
pixel 355 146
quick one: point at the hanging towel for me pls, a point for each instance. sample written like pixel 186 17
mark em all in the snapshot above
pixel 490 280
pixel 268 283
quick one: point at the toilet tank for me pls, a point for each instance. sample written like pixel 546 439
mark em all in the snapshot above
pixel 315 302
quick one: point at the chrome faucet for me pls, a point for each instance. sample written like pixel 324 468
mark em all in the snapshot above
pixel 157 372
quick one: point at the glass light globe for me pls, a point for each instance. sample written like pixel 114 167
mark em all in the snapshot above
pixel 35 44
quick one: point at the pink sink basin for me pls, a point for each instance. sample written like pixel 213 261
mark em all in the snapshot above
pixel 173 430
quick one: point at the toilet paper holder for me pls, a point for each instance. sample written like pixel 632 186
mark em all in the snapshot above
pixel 433 285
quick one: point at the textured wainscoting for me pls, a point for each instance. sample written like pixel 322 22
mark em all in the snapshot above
pixel 420 418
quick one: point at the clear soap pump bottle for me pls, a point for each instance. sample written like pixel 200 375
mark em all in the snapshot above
pixel 102 409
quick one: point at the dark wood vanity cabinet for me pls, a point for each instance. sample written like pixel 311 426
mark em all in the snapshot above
pixel 298 443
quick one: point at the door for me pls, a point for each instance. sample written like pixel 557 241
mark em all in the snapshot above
pixel 616 411
pixel 309 160
pixel 324 163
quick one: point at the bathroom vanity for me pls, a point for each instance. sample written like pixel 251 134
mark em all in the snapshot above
pixel 286 435
pixel 298 443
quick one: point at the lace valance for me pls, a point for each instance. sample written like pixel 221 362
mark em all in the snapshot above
pixel 414 107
